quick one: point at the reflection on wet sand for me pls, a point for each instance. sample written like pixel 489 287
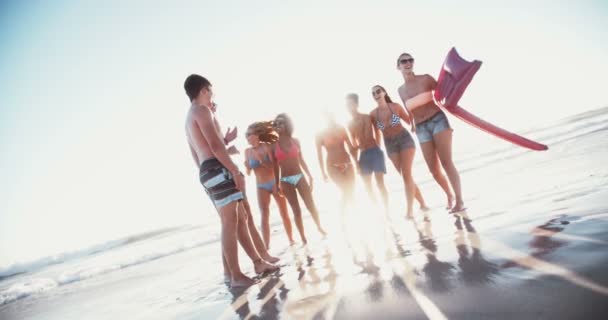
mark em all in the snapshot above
pixel 387 260
pixel 474 268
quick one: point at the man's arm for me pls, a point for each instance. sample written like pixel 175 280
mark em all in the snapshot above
pixel 204 119
pixel 351 131
pixel 352 150
pixel 376 131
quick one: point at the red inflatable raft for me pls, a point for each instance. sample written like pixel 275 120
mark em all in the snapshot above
pixel 454 77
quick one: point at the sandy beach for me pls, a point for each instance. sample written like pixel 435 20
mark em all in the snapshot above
pixel 532 245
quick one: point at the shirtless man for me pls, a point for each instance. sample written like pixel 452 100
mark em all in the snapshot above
pixel 258 242
pixel 221 179
pixel 432 128
pixel 365 137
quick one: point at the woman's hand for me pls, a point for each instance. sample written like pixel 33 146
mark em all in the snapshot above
pixel 276 189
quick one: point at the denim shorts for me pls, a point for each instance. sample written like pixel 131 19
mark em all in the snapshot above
pixel 398 142
pixel 426 129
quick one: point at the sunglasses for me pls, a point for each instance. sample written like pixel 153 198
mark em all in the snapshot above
pixel 377 92
pixel 404 61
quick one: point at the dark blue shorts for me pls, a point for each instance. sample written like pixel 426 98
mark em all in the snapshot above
pixel 372 160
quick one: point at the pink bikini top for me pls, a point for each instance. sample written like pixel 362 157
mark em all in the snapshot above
pixel 293 152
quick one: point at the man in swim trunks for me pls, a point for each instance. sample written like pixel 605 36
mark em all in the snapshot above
pixel 219 176
pixel 251 231
pixel 365 137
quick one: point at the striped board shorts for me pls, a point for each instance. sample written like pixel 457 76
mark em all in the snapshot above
pixel 218 183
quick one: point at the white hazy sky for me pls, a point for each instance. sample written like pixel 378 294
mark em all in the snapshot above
pixel 92 104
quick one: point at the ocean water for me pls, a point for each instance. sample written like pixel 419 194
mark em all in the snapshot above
pixel 183 262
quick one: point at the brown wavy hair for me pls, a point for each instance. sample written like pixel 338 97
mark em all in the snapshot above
pixel 264 130
pixel 386 97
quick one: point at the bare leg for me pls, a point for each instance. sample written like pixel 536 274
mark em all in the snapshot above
pixel 443 143
pixel 226 269
pixel 264 204
pixel 345 182
pixel 282 204
pixel 367 182
pixel 420 199
pixel 432 162
pixel 229 216
pixel 304 189
pixel 403 163
pixel 244 231
pixel 292 197
pixel 382 187
pixel 259 244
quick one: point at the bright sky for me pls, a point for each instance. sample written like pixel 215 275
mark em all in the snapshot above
pixel 92 105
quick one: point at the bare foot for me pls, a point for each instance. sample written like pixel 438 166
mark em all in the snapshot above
pixel 270 258
pixel 409 215
pixel 322 232
pixel 450 202
pixel 242 281
pixel 459 207
pixel 262 266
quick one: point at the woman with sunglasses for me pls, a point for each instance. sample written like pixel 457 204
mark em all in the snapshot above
pixel 259 159
pixel 432 128
pixel 398 142
pixel 338 164
pixel 289 162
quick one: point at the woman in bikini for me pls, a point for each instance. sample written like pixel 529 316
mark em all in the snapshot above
pixel 289 163
pixel 259 159
pixel 398 142
pixel 432 128
pixel 338 164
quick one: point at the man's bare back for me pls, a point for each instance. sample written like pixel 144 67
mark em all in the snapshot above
pixel 420 84
pixel 363 131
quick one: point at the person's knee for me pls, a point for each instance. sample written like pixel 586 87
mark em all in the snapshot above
pixel 448 166
pixel 297 212
pixel 265 217
pixel 436 172
pixel 407 177
pixel 379 178
pixel 242 214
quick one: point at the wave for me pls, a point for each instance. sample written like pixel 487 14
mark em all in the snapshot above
pixel 38 264
pixel 32 286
